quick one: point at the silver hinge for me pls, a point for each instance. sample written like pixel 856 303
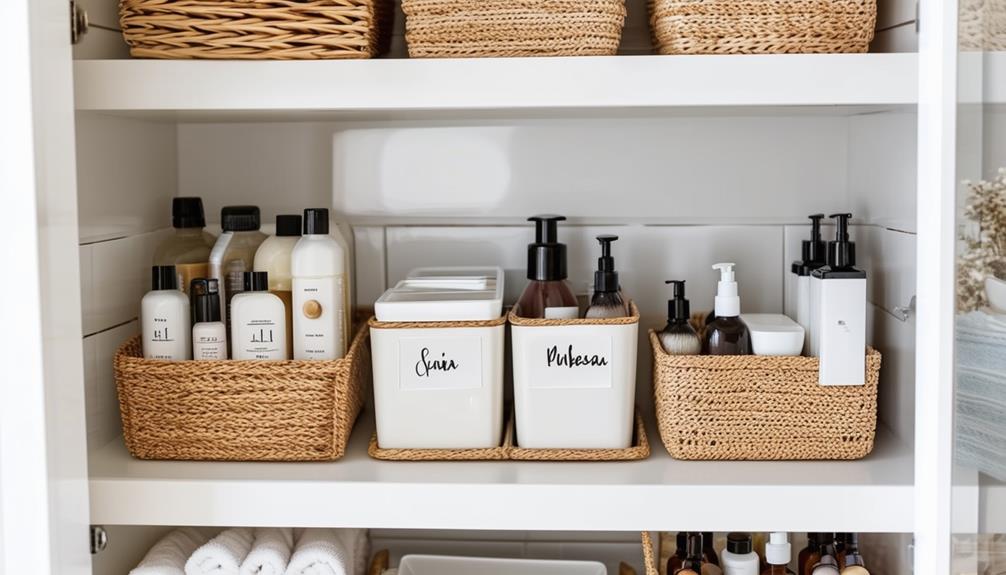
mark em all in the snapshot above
pixel 99 539
pixel 78 22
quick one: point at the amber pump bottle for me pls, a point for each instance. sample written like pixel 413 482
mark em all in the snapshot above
pixel 853 563
pixel 676 560
pixel 547 295
pixel 692 565
pixel 828 563
pixel 811 554
pixel 727 334
pixel 778 553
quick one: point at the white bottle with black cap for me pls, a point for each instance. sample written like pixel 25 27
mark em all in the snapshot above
pixel 318 265
pixel 838 312
pixel 812 254
pixel 739 557
pixel 258 321
pixel 166 317
pixel 209 334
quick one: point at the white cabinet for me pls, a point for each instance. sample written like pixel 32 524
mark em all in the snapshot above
pixel 690 160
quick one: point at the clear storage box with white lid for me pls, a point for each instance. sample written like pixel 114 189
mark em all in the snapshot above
pixel 437 343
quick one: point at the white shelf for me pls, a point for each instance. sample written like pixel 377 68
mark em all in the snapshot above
pixel 872 495
pixel 507 87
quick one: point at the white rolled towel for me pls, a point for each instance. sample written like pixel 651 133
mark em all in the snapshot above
pixel 221 555
pixel 357 544
pixel 168 556
pixel 270 552
pixel 320 552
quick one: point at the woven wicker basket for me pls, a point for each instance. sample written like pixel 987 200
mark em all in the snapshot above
pixel 470 28
pixel 760 408
pixel 762 26
pixel 240 410
pixel 256 29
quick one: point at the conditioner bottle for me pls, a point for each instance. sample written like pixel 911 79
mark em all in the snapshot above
pixel 273 257
pixel 778 553
pixel 318 266
pixel 166 318
pixel 188 248
pixel 547 295
pixel 209 334
pixel 727 334
pixel 258 321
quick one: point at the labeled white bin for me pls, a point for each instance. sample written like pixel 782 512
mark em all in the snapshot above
pixel 575 381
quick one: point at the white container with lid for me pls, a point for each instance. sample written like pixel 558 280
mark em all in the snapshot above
pixel 774 334
pixel 437 347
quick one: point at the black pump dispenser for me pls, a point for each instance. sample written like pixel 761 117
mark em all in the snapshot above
pixel 546 257
pixel 841 252
pixel 812 251
pixel 606 278
pixel 678 309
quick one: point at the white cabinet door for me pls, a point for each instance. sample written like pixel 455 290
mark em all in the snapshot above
pixel 43 465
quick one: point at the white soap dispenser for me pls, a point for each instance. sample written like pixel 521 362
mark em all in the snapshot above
pixel 838 312
pixel 166 317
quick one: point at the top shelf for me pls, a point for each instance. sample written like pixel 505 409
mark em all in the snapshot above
pixel 501 87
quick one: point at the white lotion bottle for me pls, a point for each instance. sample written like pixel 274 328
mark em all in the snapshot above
pixel 739 557
pixel 318 265
pixel 838 312
pixel 209 334
pixel 166 317
pixel 258 321
pixel 812 252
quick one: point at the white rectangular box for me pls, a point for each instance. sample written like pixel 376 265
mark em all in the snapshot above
pixel 575 382
pixel 438 386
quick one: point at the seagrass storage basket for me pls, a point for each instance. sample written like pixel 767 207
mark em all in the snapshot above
pixel 240 410
pixel 760 408
pixel 256 29
pixel 762 26
pixel 472 28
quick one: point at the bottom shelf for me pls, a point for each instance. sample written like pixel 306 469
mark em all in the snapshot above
pixel 871 495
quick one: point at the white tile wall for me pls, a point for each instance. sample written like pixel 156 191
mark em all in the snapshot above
pixel 881 168
pixel 117 274
pixel 100 396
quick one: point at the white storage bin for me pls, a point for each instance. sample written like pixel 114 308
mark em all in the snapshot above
pixel 438 360
pixel 575 381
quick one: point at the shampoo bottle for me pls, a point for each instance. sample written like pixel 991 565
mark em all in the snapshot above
pixel 778 553
pixel 209 334
pixel 318 266
pixel 273 257
pixel 812 254
pixel 166 318
pixel 234 252
pixel 727 334
pixel 258 321
pixel 679 337
pixel 607 299
pixel 739 557
pixel 853 564
pixel 838 312
pixel 547 295
pixel 188 248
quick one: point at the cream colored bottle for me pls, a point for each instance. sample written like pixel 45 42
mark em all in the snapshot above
pixel 258 321
pixel 273 257
pixel 188 248
pixel 318 265
pixel 234 253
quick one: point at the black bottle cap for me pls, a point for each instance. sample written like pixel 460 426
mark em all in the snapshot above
pixel 694 547
pixel 288 225
pixel 841 252
pixel 316 221
pixel 707 539
pixel 606 278
pixel 739 543
pixel 678 308
pixel 187 213
pixel 240 218
pixel 546 257
pixel 256 281
pixel 163 278
pixel 205 294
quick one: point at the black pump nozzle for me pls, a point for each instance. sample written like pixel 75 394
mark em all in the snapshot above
pixel 606 278
pixel 841 252
pixel 546 257
pixel 678 308
pixel 813 249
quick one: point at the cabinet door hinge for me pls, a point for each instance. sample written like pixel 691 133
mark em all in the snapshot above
pixel 99 539
pixel 78 22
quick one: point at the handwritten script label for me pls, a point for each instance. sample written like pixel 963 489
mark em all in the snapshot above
pixel 567 361
pixel 446 362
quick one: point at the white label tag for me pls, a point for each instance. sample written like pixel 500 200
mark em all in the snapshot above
pixel 448 362
pixel 568 361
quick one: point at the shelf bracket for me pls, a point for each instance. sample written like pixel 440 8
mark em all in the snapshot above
pixel 99 539
pixel 903 312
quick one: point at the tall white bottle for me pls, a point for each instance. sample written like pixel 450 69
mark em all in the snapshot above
pixel 209 334
pixel 258 321
pixel 838 312
pixel 318 265
pixel 798 290
pixel 739 557
pixel 166 317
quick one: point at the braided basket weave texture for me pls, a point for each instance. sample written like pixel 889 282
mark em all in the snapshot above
pixel 762 26
pixel 760 408
pixel 256 29
pixel 240 410
pixel 472 28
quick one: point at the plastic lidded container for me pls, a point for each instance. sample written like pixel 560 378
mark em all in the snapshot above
pixel 437 343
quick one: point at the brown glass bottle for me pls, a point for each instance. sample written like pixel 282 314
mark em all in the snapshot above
pixel 811 554
pixel 727 336
pixel 675 561
pixel 547 295
pixel 692 564
pixel 708 551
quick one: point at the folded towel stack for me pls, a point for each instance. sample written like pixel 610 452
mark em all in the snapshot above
pixel 270 553
pixel 323 552
pixel 168 556
pixel 980 417
pixel 221 555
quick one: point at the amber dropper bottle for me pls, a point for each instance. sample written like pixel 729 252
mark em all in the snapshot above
pixel 811 554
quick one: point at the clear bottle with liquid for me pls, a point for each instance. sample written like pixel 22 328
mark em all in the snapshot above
pixel 547 295
pixel 188 248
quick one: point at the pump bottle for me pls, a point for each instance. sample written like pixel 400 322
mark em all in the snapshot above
pixel 547 295
pixel 209 334
pixel 727 334
pixel 166 318
pixel 692 565
pixel 739 557
pixel 838 312
pixel 679 337
pixel 853 563
pixel 778 553
pixel 812 254
pixel 607 299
